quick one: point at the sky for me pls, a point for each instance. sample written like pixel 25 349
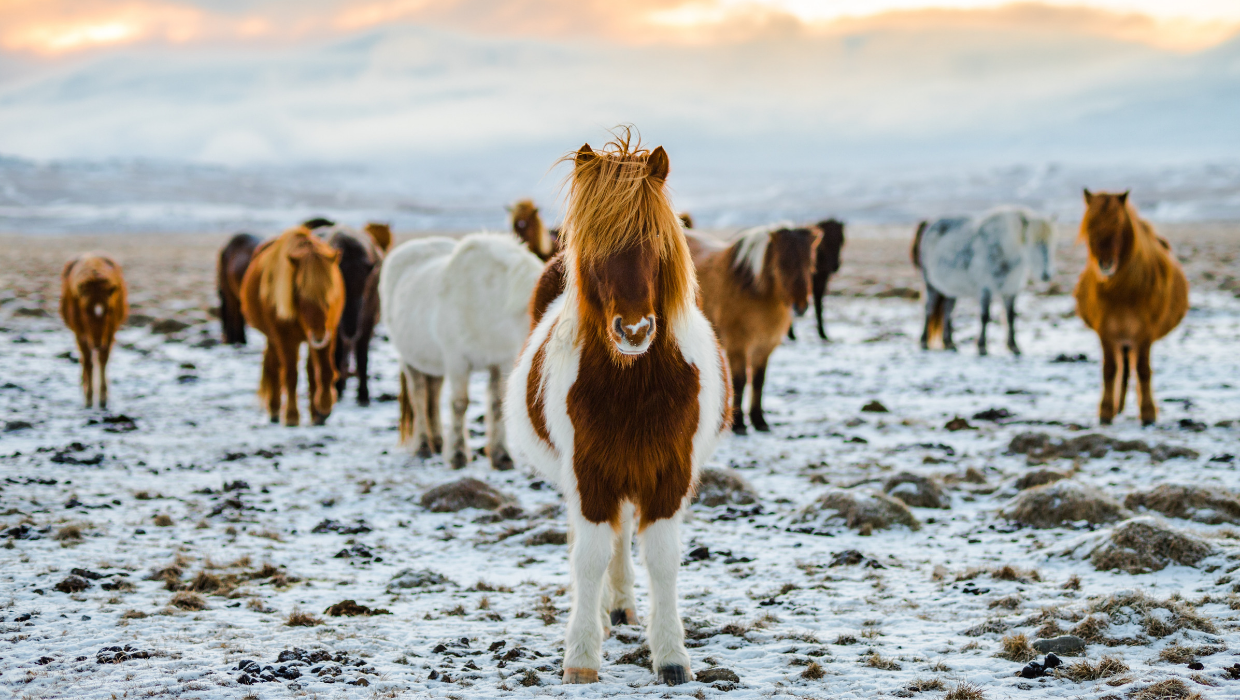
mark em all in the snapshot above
pixel 790 81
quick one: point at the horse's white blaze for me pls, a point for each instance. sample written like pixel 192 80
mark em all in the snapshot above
pixel 644 323
pixel 99 310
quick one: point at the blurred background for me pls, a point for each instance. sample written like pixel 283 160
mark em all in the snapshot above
pixel 214 115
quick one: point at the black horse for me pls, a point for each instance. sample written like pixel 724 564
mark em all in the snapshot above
pixel 234 259
pixel 826 264
pixel 361 257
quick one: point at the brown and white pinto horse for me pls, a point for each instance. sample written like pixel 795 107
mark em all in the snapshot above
pixel 619 396
pixel 1131 293
pixel 749 291
pixel 527 224
pixel 94 303
pixel 234 259
pixel 293 293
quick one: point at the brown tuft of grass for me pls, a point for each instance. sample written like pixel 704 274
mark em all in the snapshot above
pixel 484 587
pixel 1007 572
pixel 1072 584
pixel 257 605
pixel 1170 689
pixel 965 691
pixel 297 618
pixel 1142 545
pixel 269 534
pixel 813 671
pixel 1007 602
pixel 845 640
pixel 187 600
pixel 1090 629
pixel 1081 671
pixel 875 660
pixel 530 678
pixel 133 615
pixel 1061 502
pixel 1016 648
pixel 68 533
pixel 921 685
pixel 205 582
pixel 163 520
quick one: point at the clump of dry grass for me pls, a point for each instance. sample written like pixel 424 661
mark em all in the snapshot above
pixel 1016 648
pixel 1178 653
pixel 864 511
pixel 1212 506
pixel 1072 584
pixel 163 520
pixel 1081 671
pixel 269 534
pixel 1007 572
pixel 187 600
pixel 1170 689
pixel 1090 629
pixel 813 671
pixel 1142 545
pixel 297 618
pixel 1066 501
pixel 921 685
pixel 530 678
pixel 484 587
pixel 1007 602
pixel 1142 606
pixel 133 615
pixel 68 533
pixel 875 660
pixel 205 582
pixel 257 605
pixel 845 640
pixel 965 691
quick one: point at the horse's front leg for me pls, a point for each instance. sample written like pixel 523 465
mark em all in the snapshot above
pixel 460 402
pixel 589 556
pixel 497 449
pixel 361 359
pixel 413 418
pixel 756 414
pixel 820 289
pixel 949 305
pixel 1009 305
pixel 87 358
pixel 320 372
pixel 1110 368
pixel 660 547
pixel 101 366
pixel 434 426
pixel 288 360
pixel 737 363
pixel 1145 373
pixel 933 299
pixel 269 385
pixel 341 353
pixel 621 607
pixel 985 304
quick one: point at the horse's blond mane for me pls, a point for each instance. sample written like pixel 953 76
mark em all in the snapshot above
pixel 615 203
pixel 283 281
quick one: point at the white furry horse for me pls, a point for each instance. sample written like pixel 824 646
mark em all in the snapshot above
pixel 979 256
pixel 453 307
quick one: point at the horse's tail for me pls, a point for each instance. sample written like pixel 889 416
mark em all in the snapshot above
pixel 406 408
pixel 915 253
pixel 934 324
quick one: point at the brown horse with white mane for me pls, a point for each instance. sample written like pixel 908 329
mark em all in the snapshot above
pixel 527 224
pixel 94 302
pixel 293 293
pixel 750 289
pixel 1131 293
pixel 619 396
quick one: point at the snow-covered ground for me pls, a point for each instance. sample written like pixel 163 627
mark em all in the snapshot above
pixel 764 603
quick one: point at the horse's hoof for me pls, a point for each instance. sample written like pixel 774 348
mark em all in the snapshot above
pixel 952 347
pixel 275 419
pixel 319 419
pixel 623 616
pixel 580 675
pixel 502 463
pixel 739 429
pixel 674 675
pixel 437 445
pixel 459 460
pixel 1104 421
pixel 981 350
pixel 761 427
pixel 363 401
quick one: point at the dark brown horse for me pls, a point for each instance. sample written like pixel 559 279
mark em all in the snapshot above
pixel 361 257
pixel 750 289
pixel 826 264
pixel 1131 293
pixel 527 224
pixel 234 259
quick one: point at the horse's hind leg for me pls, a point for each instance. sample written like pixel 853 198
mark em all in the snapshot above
pixel 736 360
pixel 413 430
pixel 361 355
pixel 756 414
pixel 949 305
pixel 589 556
pixel 621 604
pixel 985 304
pixel 1125 369
pixel 820 289
pixel 934 315
pixel 1110 367
pixel 1009 305
pixel 460 402
pixel 497 450
pixel 661 552
pixel 434 426
pixel 1149 412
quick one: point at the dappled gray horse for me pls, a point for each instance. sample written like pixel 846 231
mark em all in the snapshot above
pixel 977 256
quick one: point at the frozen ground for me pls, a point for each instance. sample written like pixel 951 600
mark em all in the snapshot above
pixel 765 603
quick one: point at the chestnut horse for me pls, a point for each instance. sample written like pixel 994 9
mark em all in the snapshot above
pixel 1131 293
pixel 94 302
pixel 293 293
pixel 360 259
pixel 618 397
pixel 826 263
pixel 749 289
pixel 528 226
pixel 234 259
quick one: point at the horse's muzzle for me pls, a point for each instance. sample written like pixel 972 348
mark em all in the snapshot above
pixel 633 339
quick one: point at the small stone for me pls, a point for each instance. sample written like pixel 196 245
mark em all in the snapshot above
pixel 462 494
pixel 958 423
pixel 874 406
pixel 73 584
pixel 1066 644
pixel 1196 666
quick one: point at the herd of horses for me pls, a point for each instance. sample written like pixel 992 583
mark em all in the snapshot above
pixel 618 346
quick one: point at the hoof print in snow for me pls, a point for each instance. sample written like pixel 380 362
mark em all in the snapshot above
pixel 425 579
pixel 462 494
pixel 915 490
pixel 1142 545
pixel 720 487
pixel 1063 502
pixel 1212 506
pixel 864 511
pixel 73 584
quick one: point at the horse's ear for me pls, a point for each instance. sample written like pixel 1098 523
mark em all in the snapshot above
pixel 1123 197
pixel 657 164
pixel 1089 196
pixel 585 154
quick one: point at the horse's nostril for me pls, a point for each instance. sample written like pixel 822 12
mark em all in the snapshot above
pixel 617 325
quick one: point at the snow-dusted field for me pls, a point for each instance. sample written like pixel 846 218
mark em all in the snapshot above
pixel 925 609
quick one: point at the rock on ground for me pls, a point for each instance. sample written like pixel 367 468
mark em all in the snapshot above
pixel 462 494
pixel 1141 545
pixel 1039 477
pixel 718 487
pixel 1041 447
pixel 915 490
pixel 1212 506
pixel 860 510
pixel 1065 501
